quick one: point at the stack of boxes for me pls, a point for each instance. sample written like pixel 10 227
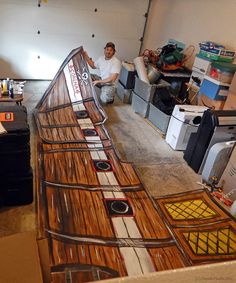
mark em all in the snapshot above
pixel 161 106
pixel 141 96
pixel 216 84
pixel 154 102
pixel 199 69
pixel 211 77
pixel 216 52
pixel 126 82
pixel 16 179
pixel 230 103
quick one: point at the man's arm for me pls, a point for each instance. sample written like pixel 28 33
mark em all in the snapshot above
pixel 110 79
pixel 89 60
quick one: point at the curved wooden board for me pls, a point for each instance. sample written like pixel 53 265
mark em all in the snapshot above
pixel 70 93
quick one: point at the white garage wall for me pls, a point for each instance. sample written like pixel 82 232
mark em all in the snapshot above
pixel 65 25
pixel 191 21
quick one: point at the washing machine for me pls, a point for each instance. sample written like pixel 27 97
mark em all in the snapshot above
pixel 184 120
pixel 216 126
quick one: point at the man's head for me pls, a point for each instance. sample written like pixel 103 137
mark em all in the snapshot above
pixel 109 50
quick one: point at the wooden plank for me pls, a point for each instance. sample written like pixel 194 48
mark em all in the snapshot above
pixel 78 212
pixel 147 218
pixel 58 94
pixel 58 277
pixel 58 168
pixel 90 255
pixel 54 210
pixel 123 174
pixel 58 253
pixel 40 205
pixel 167 258
pixel 94 113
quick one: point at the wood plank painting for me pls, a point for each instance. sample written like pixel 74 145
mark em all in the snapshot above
pixel 99 220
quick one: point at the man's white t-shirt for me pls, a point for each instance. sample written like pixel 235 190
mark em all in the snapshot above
pixel 108 67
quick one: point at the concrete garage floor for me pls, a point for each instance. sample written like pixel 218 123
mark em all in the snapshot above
pixel 161 169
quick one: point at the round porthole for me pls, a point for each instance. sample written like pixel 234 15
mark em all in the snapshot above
pixel 90 132
pixel 197 120
pixel 119 206
pixel 103 165
pixel 82 114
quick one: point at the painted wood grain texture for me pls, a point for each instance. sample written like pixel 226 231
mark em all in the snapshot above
pixel 78 212
pixel 77 167
pixel 62 125
pixel 99 220
pixel 167 258
pixel 147 218
pixel 58 94
pixel 108 258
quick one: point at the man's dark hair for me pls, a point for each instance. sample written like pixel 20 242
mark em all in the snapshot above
pixel 110 44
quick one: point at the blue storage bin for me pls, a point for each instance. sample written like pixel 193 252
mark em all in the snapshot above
pixel 214 89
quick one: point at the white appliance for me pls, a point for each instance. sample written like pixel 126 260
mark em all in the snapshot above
pixel 216 126
pixel 184 120
pixel 199 69
pixel 228 178
pixel 217 160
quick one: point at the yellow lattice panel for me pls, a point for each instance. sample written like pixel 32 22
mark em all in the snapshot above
pixel 219 242
pixel 191 209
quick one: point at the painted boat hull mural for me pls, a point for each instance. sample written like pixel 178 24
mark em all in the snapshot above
pixel 99 220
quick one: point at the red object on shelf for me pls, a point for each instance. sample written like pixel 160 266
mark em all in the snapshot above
pixel 214 73
pixel 223 198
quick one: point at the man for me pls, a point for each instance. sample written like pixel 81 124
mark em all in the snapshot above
pixel 109 66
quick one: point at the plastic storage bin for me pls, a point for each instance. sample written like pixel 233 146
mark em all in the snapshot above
pixel 144 90
pixel 123 93
pixel 222 71
pixel 127 75
pixel 139 105
pixel 158 118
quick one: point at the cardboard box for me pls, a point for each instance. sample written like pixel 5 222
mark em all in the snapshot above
pixel 230 103
pixel 23 259
pixel 224 272
pixel 214 89
pixel 203 100
pixel 201 65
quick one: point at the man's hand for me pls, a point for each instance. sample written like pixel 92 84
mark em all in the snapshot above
pixel 85 55
pixel 96 82
pixel 88 60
